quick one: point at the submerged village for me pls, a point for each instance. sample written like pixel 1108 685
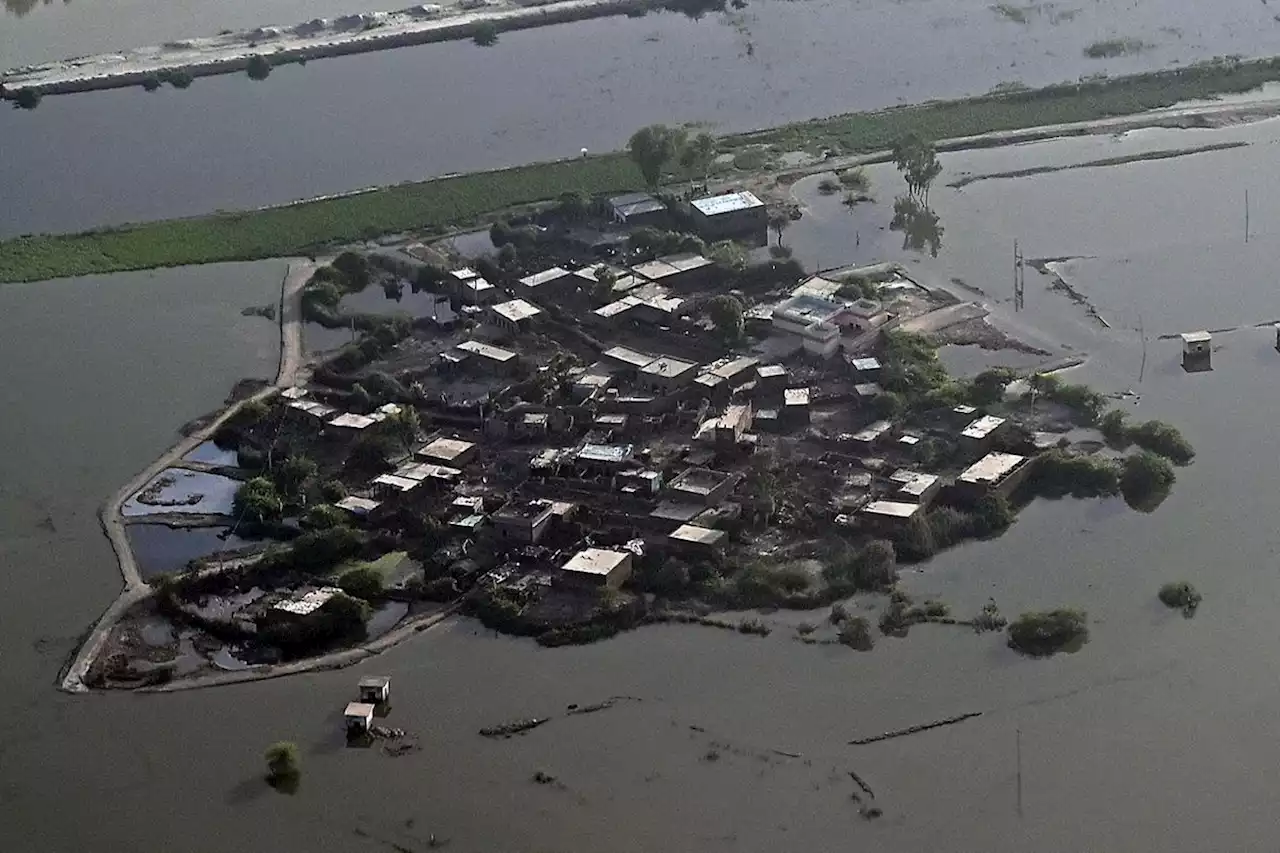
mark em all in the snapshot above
pixel 637 410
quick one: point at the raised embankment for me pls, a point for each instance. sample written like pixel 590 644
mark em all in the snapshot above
pixel 357 33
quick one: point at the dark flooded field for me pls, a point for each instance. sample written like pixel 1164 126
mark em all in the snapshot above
pixel 340 124
pixel 1157 735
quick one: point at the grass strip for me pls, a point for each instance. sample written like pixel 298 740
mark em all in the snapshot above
pixel 306 227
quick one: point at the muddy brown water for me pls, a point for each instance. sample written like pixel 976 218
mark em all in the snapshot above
pixel 341 124
pixel 1158 735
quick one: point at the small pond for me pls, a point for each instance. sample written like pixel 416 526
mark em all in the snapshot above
pixel 160 549
pixel 211 454
pixel 184 491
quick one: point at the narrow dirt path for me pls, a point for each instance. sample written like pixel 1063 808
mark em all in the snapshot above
pixel 113 524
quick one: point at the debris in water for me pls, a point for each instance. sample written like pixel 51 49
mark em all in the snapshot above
pixel 599 706
pixel 514 728
pixel 923 727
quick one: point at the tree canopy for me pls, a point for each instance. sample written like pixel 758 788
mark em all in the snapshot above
pixel 258 501
pixel 652 148
pixel 917 160
pixel 727 313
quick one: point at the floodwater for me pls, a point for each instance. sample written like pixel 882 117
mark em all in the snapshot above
pixel 211 454
pixel 160 549
pixel 344 123
pixel 1158 735
pixel 183 491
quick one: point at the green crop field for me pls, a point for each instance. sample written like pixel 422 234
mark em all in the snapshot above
pixel 308 227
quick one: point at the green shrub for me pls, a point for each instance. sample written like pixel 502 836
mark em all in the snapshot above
pixel 1159 437
pixel 1146 480
pixel 855 632
pixel 1044 633
pixel 362 583
pixel 259 68
pixel 1180 595
pixel 282 760
pixel 1057 473
pixel 324 516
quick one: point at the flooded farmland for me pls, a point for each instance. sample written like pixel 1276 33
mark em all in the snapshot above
pixel 1157 735
pixel 231 143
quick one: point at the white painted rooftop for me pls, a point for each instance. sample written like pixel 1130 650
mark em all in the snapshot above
pixel 982 427
pixel 517 310
pixel 596 561
pixel 717 205
pixel 991 468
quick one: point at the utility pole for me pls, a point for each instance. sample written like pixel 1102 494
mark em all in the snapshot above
pixel 1246 216
pixel 1142 334
pixel 1019 749
pixel 1019 279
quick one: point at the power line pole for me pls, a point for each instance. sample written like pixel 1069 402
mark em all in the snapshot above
pixel 1019 279
pixel 1246 216
pixel 1019 749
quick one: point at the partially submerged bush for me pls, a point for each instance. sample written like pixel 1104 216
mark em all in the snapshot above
pixel 1043 633
pixel 855 633
pixel 1146 480
pixel 1159 437
pixel 1057 473
pixel 282 761
pixel 362 583
pixel 828 186
pixel 1181 595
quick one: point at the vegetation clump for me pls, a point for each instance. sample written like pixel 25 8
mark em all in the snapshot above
pixel 283 767
pixel 855 632
pixel 259 68
pixel 1155 436
pixel 1146 479
pixel 1084 402
pixel 1043 633
pixel 486 34
pixel 1057 473
pixel 362 583
pixel 27 99
pixel 1181 595
pixel 1111 48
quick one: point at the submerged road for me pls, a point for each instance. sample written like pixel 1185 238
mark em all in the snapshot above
pixel 135 588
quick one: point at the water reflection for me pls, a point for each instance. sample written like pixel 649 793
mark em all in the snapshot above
pixel 21 8
pixel 919 224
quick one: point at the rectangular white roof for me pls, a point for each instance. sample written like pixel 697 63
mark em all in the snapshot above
pixel 795 397
pixel 891 509
pixel 668 367
pixel 982 427
pixel 349 420
pixel 517 310
pixel 447 449
pixel 991 468
pixel 486 351
pixel 597 562
pixel 872 432
pixel 918 485
pixel 464 274
pixel 697 535
pixel 621 306
pixel 717 205
pixel 628 356
pixel 358 506
pixel 402 484
pixel 295 393
pixel 538 278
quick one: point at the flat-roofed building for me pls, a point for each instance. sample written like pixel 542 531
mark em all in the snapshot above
pixel 919 488
pixel 815 321
pixel 522 521
pixel 387 486
pixel 866 314
pixel 618 311
pixel 488 357
pixel 729 214
pixel 478 291
pixel 733 425
pixel 795 406
pixel 980 433
pixel 302 604
pixel 701 486
pixel 993 474
pixel 872 433
pixel 891 514
pixel 636 209
pixel 816 285
pixel 771 378
pixel 694 538
pixel 349 423
pixel 357 506
pixel 666 373
pixel 605 457
pixel 626 358
pixel 554 281
pixel 865 369
pixel 310 410
pixel 597 568
pixel 515 316
pixel 687 270
pixel 449 451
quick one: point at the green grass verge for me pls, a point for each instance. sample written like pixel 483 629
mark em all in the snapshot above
pixel 307 227
pixel 386 565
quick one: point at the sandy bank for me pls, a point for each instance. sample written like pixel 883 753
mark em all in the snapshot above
pixel 319 37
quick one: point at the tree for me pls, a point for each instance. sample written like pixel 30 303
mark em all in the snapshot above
pixel 779 221
pixel 917 160
pixel 403 426
pixel 355 270
pixel 1145 480
pixel 920 226
pixel 652 148
pixel 324 517
pixel 362 583
pixel 320 550
pixel 574 206
pixel 698 155
pixel 258 501
pixel 333 490
pixel 180 79
pixel 282 761
pixel 726 312
pixel 361 400
pixel 292 474
pixel 151 82
pixel 259 67
pixel 372 451
pixel 1043 633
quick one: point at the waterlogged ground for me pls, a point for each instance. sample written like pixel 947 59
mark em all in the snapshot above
pixel 1158 735
pixel 229 143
